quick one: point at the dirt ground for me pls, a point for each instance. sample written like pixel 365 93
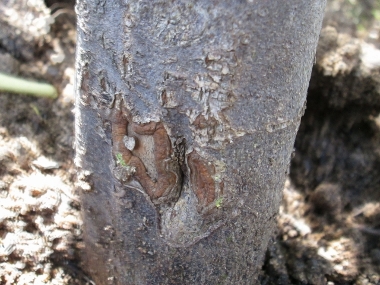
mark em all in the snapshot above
pixel 329 222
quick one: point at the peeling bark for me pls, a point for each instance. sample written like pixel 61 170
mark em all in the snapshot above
pixel 186 117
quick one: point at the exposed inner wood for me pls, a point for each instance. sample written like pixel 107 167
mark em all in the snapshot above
pixel 167 185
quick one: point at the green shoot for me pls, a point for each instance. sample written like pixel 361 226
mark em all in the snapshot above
pixel 35 109
pixel 218 202
pixel 13 84
pixel 120 160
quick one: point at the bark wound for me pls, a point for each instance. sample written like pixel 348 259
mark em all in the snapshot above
pixel 168 162
pixel 201 178
pixel 167 185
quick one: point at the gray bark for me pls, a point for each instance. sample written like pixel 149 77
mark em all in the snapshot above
pixel 186 115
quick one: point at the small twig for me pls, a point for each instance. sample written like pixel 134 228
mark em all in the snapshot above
pixel 58 5
pixel 367 230
pixel 13 84
pixel 60 12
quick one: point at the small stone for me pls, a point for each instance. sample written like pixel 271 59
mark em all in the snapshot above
pixel 45 163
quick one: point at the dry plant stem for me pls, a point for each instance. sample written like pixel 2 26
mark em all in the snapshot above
pixel 13 84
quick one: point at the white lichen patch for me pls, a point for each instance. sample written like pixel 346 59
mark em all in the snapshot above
pixel 129 142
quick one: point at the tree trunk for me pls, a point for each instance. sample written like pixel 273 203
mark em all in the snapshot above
pixel 186 115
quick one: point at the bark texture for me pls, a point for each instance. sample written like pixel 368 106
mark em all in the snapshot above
pixel 186 115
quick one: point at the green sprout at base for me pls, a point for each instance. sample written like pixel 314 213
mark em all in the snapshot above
pixel 120 160
pixel 218 202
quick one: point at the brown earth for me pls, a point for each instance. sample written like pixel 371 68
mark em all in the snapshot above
pixel 329 222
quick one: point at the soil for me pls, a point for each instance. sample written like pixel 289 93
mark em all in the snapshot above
pixel 329 221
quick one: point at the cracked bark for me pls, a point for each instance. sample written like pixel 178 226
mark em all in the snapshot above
pixel 186 115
